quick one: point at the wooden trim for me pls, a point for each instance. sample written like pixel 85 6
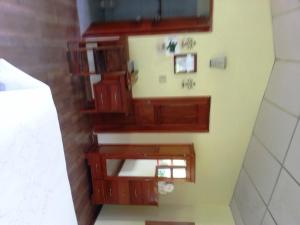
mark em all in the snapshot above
pixel 174 25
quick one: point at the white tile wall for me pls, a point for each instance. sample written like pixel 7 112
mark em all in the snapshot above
pixel 287 35
pixel 268 220
pixel 281 6
pixel 284 85
pixel 285 204
pixel 249 203
pixel 261 165
pixel 275 125
pixel 292 162
pixel 236 213
pixel 274 128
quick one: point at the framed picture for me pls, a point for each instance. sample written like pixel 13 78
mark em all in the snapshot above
pixel 185 63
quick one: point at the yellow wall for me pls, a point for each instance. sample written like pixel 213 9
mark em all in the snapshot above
pixel 136 215
pixel 242 31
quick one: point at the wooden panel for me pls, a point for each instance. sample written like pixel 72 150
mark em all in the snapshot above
pixel 102 97
pixel 123 192
pixel 116 97
pixel 94 161
pixel 98 196
pixel 150 193
pixel 111 95
pixel 111 192
pixel 180 114
pixel 114 61
pixel 136 192
pixel 143 192
pixel 144 113
pixel 33 37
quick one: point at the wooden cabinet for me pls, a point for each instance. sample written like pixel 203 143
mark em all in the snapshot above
pixel 114 188
pixel 111 94
pixel 152 17
pixel 159 115
pixel 106 58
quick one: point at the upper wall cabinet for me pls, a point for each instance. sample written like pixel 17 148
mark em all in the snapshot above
pixel 132 17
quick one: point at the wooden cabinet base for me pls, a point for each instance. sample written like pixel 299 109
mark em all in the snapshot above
pixel 125 192
pixel 177 114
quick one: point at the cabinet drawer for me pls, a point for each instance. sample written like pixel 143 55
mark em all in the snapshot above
pixel 143 192
pixel 150 192
pixel 136 195
pixel 123 192
pixel 102 96
pixel 98 192
pixel 111 192
pixel 115 97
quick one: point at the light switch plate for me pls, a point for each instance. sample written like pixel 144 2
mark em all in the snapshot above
pixel 162 79
pixel 219 63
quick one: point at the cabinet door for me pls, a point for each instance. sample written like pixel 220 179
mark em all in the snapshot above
pixel 123 192
pixel 150 193
pixel 101 92
pixel 184 113
pixel 143 192
pixel 114 60
pixel 136 193
pixel 111 94
pixel 98 196
pixel 115 97
pixel 111 192
pixel 144 113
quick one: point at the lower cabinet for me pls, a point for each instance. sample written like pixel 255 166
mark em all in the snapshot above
pixel 158 115
pixel 143 192
pixel 126 192
pixel 122 174
pixel 111 95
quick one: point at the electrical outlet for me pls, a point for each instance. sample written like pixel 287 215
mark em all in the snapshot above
pixel 162 79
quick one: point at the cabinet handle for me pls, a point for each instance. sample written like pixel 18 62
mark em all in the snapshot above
pixel 101 99
pixel 110 192
pixel 97 167
pixel 116 98
pixel 135 193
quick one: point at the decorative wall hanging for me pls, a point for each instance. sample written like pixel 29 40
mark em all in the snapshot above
pixel 188 83
pixel 185 63
pixel 171 46
pixel 188 43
